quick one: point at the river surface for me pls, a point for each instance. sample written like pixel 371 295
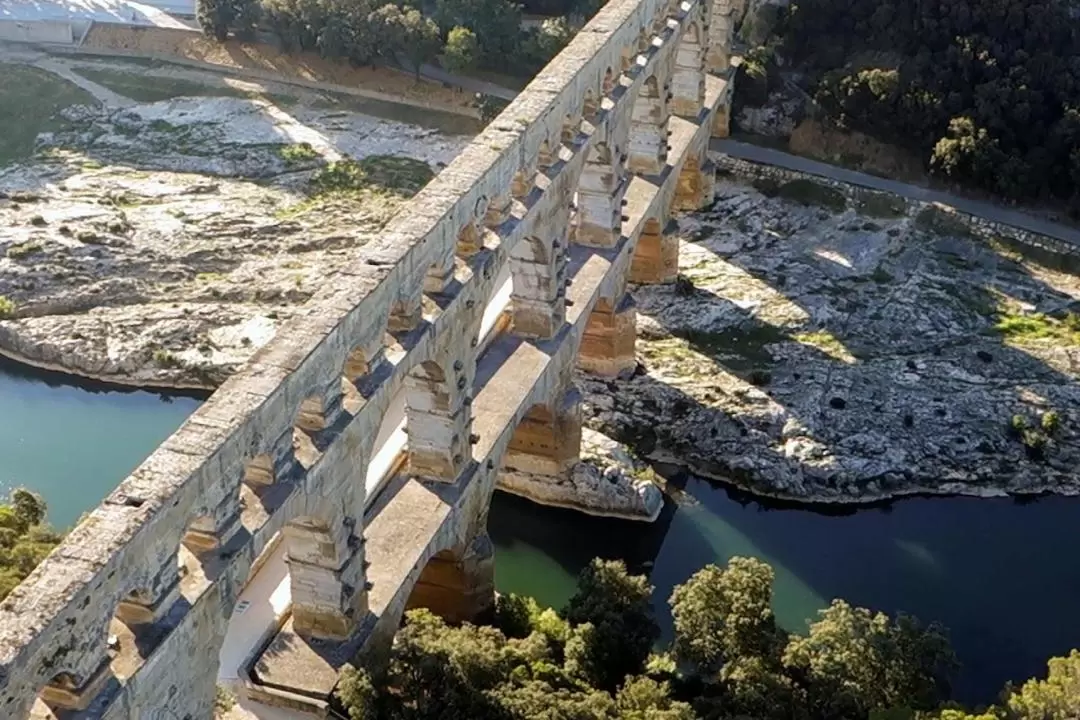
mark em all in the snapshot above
pixel 1003 575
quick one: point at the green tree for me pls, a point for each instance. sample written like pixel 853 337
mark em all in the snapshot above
pixel 1055 698
pixel 496 23
pixel 421 38
pixel 461 51
pixel 854 661
pixel 25 539
pixel 642 698
pixel 722 615
pixel 615 628
pixel 357 693
pixel 214 17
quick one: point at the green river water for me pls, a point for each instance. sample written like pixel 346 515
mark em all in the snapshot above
pixel 999 573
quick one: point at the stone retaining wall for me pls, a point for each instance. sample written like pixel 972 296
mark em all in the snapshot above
pixel 1042 248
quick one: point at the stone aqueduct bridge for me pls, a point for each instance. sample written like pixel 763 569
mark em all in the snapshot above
pixel 571 188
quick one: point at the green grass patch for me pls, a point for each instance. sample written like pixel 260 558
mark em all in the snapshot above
pixel 7 307
pixel 1026 329
pixel 808 192
pixel 881 205
pixel 402 176
pixel 30 98
pixel 298 154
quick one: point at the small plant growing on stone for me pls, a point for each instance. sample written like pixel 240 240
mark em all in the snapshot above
pixel 1016 427
pixel 165 359
pixel 7 307
pixel 1035 444
pixel 1050 422
pixel 21 250
pixel 298 154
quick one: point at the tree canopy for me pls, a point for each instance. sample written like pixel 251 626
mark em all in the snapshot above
pixel 986 92
pixel 25 539
pixel 597 660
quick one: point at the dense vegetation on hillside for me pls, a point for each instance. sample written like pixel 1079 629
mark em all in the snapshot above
pixel 729 661
pixel 987 92
pixel 25 539
pixel 461 34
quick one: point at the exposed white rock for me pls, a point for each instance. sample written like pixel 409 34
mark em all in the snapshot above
pixel 829 356
pixel 608 481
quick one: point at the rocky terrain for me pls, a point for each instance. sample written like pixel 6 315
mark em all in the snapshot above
pixel 161 243
pixel 817 348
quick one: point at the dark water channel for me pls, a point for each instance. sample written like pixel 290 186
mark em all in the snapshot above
pixel 1003 575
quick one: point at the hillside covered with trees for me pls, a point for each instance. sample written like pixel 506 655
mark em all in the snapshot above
pixel 461 35
pixel 984 92
pixel 729 661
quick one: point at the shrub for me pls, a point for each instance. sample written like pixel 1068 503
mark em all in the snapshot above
pixel 7 307
pixel 298 154
pixel 1051 422
pixel 21 250
pixel 399 175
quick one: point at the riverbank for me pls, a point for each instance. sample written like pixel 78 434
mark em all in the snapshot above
pixel 823 349
pixel 160 238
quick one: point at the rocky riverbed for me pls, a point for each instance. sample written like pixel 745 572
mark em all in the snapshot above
pixel 160 244
pixel 816 350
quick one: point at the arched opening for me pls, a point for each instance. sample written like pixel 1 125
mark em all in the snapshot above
pixel 591 105
pixel 570 127
pixel 388 451
pixel 69 693
pixel 545 158
pixel 470 241
pixel 259 471
pixel 458 584
pixel 310 420
pixel 609 82
pixel 522 184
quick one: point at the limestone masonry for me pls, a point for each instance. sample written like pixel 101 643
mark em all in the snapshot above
pixel 572 188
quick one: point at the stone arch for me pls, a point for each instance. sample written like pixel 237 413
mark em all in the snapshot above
pixel 546 156
pixel 626 58
pixel 522 183
pixel 644 40
pixel 470 240
pixel 310 421
pixel 259 471
pixel 67 692
pixel 458 583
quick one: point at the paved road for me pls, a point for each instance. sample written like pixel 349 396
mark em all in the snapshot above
pixel 988 211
